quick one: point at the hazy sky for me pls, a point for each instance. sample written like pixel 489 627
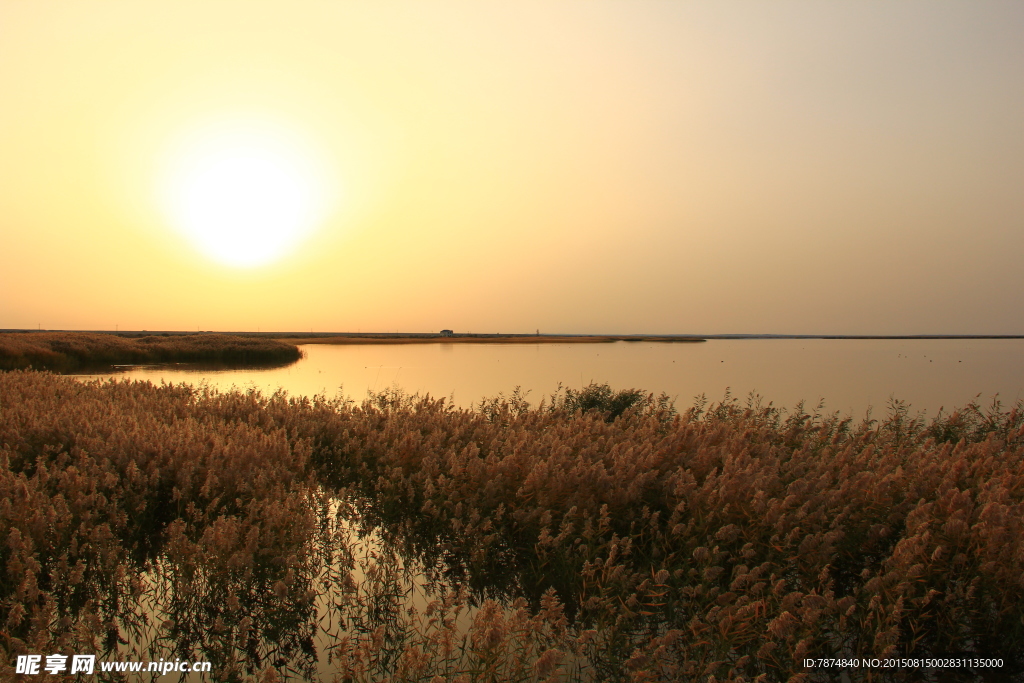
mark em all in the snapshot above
pixel 673 167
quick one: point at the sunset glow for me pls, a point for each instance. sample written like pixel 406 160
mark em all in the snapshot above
pixel 604 167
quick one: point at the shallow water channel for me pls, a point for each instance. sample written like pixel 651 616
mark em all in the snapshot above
pixel 354 596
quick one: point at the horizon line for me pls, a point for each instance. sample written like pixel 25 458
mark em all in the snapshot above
pixel 673 335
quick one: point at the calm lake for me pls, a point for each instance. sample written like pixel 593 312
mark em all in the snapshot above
pixel 848 375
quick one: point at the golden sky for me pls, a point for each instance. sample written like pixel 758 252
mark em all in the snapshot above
pixel 619 167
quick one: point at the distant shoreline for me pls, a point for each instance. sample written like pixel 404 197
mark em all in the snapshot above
pixel 497 338
pixel 485 339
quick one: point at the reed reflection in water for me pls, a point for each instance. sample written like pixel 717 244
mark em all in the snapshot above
pixel 354 605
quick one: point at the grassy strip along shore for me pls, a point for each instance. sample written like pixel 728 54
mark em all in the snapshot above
pixel 604 536
pixel 70 351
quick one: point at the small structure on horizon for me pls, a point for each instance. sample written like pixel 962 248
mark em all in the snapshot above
pixel 447 333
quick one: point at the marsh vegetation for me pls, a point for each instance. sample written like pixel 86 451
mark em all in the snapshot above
pixel 74 351
pixel 600 535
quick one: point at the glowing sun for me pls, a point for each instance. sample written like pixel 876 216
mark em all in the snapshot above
pixel 244 193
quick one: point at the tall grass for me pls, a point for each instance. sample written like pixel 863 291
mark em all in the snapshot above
pixel 726 542
pixel 69 351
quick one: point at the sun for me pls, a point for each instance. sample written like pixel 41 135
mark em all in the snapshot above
pixel 244 192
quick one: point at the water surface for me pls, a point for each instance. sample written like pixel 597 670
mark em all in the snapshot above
pixel 848 375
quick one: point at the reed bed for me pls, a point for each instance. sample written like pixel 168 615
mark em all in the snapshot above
pixel 71 351
pixel 597 536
